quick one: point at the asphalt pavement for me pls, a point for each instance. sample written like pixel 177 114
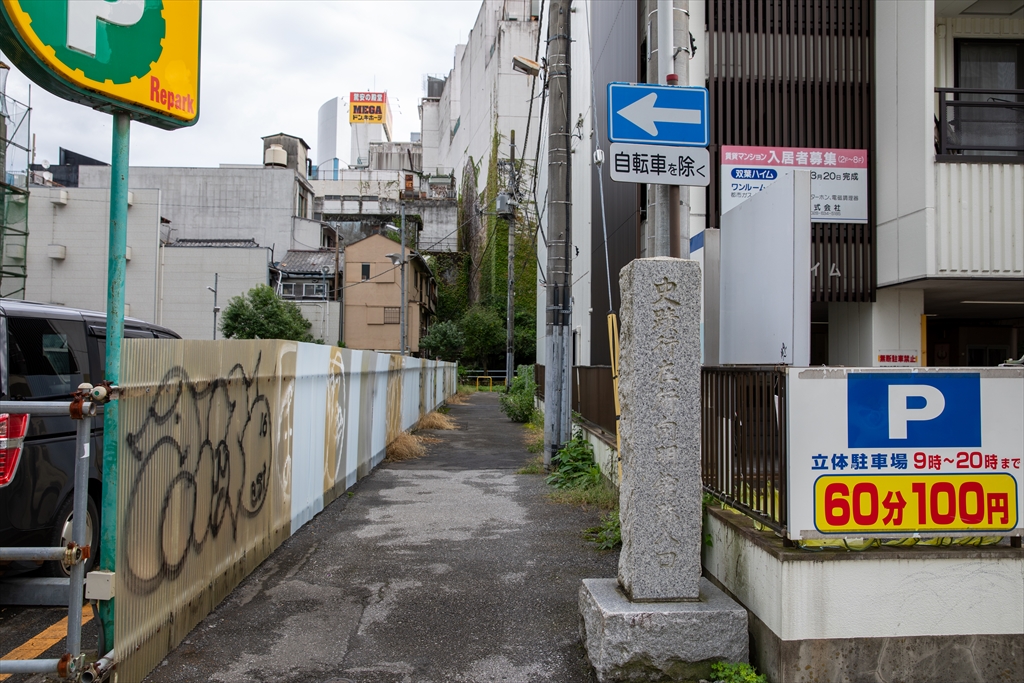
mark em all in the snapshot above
pixel 452 567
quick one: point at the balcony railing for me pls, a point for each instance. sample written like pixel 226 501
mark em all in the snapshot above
pixel 977 124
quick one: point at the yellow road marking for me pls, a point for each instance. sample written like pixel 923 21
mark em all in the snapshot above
pixel 39 644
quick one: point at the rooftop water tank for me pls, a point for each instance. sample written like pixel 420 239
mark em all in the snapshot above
pixel 275 157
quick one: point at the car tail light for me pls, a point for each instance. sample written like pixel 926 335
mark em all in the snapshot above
pixel 12 436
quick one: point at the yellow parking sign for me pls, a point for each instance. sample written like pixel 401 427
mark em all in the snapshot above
pixel 140 56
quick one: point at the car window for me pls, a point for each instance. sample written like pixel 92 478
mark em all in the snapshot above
pixel 101 341
pixel 46 358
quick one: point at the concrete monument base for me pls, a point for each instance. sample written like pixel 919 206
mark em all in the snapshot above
pixel 659 641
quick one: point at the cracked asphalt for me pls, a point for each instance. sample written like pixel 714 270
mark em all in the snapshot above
pixel 447 568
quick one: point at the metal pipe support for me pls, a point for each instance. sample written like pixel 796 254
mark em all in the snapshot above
pixel 28 666
pixel 80 511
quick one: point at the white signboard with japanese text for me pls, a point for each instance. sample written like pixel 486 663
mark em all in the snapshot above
pixel 905 453
pixel 839 178
pixel 897 358
pixel 659 165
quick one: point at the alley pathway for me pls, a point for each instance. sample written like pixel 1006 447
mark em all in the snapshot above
pixel 447 568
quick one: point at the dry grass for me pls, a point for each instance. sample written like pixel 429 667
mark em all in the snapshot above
pixel 436 420
pixel 459 399
pixel 405 447
pixel 534 439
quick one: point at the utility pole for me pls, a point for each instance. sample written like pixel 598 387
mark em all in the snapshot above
pixel 513 186
pixel 664 208
pixel 679 197
pixel 404 304
pixel 557 357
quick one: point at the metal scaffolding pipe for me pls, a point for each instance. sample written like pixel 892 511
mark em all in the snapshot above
pixel 43 408
pixel 32 553
pixel 80 512
pixel 28 666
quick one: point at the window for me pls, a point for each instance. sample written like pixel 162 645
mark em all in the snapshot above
pixel 366 271
pixel 288 290
pixel 995 127
pixel 392 315
pixel 47 358
pixel 314 291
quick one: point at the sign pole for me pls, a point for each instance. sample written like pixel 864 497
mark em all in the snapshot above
pixel 115 334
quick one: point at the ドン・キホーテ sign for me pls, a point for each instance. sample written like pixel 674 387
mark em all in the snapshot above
pixel 139 56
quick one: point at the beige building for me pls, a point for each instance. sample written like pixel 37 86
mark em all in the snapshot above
pixel 373 296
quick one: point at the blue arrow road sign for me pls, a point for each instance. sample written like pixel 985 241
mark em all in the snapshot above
pixel 658 114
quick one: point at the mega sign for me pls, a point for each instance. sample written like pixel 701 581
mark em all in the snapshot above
pixel 898 453
pixel 140 56
pixel 367 107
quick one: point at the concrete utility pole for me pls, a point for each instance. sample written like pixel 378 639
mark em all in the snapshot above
pixel 671 223
pixel 510 356
pixel 405 304
pixel 557 357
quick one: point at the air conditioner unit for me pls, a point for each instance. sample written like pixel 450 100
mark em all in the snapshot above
pixel 58 252
pixel 59 198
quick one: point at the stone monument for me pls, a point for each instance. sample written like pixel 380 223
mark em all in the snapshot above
pixel 660 620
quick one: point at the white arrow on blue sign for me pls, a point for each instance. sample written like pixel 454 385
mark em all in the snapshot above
pixel 658 114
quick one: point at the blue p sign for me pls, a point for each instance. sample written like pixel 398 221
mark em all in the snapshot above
pixel 914 410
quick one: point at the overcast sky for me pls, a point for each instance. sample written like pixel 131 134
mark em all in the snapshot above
pixel 267 66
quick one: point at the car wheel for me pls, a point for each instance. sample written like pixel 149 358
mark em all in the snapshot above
pixel 61 536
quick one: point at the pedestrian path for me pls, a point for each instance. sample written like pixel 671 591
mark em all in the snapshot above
pixel 452 567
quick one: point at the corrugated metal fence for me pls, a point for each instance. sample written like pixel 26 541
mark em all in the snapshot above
pixel 227 448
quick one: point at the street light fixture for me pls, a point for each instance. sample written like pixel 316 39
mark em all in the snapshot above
pixel 216 308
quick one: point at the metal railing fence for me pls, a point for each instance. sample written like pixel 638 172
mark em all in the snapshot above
pixel 743 440
pixel 979 122
pixel 72 663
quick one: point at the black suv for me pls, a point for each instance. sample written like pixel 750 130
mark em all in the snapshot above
pixel 45 353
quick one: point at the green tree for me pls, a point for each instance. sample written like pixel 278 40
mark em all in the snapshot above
pixel 262 314
pixel 484 334
pixel 443 340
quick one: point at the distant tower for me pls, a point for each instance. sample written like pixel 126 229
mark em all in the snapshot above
pixel 327 139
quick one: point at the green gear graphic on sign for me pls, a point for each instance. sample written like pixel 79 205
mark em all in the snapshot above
pixel 123 47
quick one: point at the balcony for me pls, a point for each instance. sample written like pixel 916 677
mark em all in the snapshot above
pixel 979 125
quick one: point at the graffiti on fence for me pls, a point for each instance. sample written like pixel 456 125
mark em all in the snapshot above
pixel 205 450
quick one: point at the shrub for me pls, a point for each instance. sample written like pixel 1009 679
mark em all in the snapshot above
pixel 726 672
pixel 443 340
pixel 574 465
pixel 517 402
pixel 262 314
pixel 608 534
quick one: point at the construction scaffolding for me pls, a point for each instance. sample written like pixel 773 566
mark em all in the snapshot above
pixel 15 154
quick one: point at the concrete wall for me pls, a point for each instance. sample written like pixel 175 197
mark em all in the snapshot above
pixel 324 318
pixel 306 422
pixel 857 332
pixel 905 128
pixel 918 614
pixel 219 203
pixel 483 94
pixel 82 226
pixel 186 306
pixel 937 219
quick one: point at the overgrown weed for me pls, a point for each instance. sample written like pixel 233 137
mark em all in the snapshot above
pixel 404 447
pixel 533 465
pixel 436 420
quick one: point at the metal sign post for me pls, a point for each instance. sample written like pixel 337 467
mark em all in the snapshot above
pixel 134 60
